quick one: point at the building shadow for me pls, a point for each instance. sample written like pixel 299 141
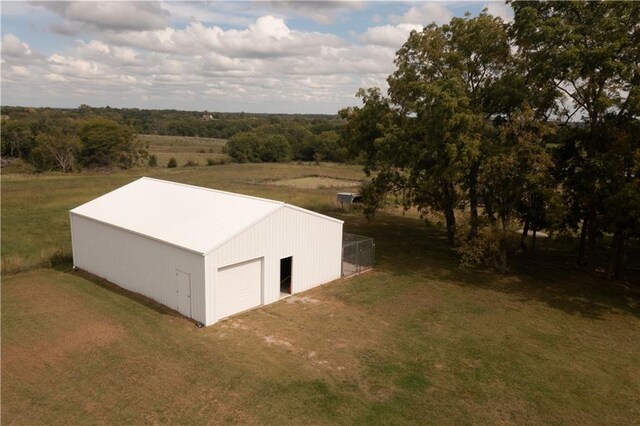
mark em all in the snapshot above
pixel 113 288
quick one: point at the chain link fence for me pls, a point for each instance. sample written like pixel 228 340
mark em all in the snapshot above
pixel 358 254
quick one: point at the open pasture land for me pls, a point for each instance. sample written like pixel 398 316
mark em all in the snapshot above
pixel 185 148
pixel 418 340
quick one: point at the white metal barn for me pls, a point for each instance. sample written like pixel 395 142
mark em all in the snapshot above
pixel 208 254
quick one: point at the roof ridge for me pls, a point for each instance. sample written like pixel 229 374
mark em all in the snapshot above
pixel 235 194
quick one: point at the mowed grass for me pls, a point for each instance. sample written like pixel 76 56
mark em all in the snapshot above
pixel 419 340
pixel 185 148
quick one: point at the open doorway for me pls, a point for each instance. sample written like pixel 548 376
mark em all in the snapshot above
pixel 285 275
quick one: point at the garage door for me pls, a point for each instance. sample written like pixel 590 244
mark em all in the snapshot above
pixel 238 288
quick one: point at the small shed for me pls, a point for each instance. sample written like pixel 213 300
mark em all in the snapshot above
pixel 206 253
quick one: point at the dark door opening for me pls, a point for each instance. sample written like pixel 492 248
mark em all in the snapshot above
pixel 285 275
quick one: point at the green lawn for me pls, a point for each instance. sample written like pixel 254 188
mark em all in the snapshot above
pixel 418 340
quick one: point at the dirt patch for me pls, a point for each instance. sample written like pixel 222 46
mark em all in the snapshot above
pixel 317 182
pixel 302 299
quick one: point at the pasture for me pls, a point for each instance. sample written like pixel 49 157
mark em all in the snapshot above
pixel 418 340
pixel 185 148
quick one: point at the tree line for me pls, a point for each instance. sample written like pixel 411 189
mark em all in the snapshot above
pixel 67 144
pixel 66 139
pixel 532 123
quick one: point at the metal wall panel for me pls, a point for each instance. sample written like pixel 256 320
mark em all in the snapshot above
pixel 314 242
pixel 136 263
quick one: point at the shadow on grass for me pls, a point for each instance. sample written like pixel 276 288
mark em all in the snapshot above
pixel 67 268
pixel 406 246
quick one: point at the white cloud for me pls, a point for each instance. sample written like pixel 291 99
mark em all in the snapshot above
pixel 265 65
pixel 268 36
pixel 499 8
pixel 13 46
pixel 424 14
pixel 112 15
pixel 322 12
pixel 186 11
pixel 388 35
pixel 19 71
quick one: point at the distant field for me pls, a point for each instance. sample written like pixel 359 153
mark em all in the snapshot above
pixel 185 148
pixel 317 182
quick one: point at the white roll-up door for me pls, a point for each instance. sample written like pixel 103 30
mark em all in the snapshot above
pixel 238 288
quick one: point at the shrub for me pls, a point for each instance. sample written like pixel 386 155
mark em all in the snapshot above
pixel 153 160
pixel 484 250
pixel 210 162
pixel 190 163
pixel 172 163
pixel 18 166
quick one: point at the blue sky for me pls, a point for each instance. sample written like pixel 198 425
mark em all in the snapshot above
pixel 257 56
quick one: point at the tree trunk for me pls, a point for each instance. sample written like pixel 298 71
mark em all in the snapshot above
pixel 592 230
pixel 504 246
pixel 617 255
pixel 450 218
pixel 533 237
pixel 583 240
pixel 473 201
pixel 525 231
pixel 488 209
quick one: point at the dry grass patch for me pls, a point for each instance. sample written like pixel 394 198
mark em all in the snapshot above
pixel 316 182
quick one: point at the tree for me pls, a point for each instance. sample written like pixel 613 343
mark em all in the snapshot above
pixel 17 138
pixel 244 147
pixel 58 148
pixel 105 143
pixel 275 149
pixel 424 141
pixel 588 53
pixel 517 172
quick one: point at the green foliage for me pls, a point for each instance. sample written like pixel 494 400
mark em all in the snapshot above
pixel 244 148
pixel 153 160
pixel 172 163
pixel 585 54
pixel 17 138
pixel 468 118
pixel 58 148
pixel 275 149
pixel 424 140
pixel 486 249
pixel 107 143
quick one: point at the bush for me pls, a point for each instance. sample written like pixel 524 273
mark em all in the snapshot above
pixel 484 250
pixel 210 162
pixel 153 160
pixel 18 166
pixel 172 163
pixel 190 163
